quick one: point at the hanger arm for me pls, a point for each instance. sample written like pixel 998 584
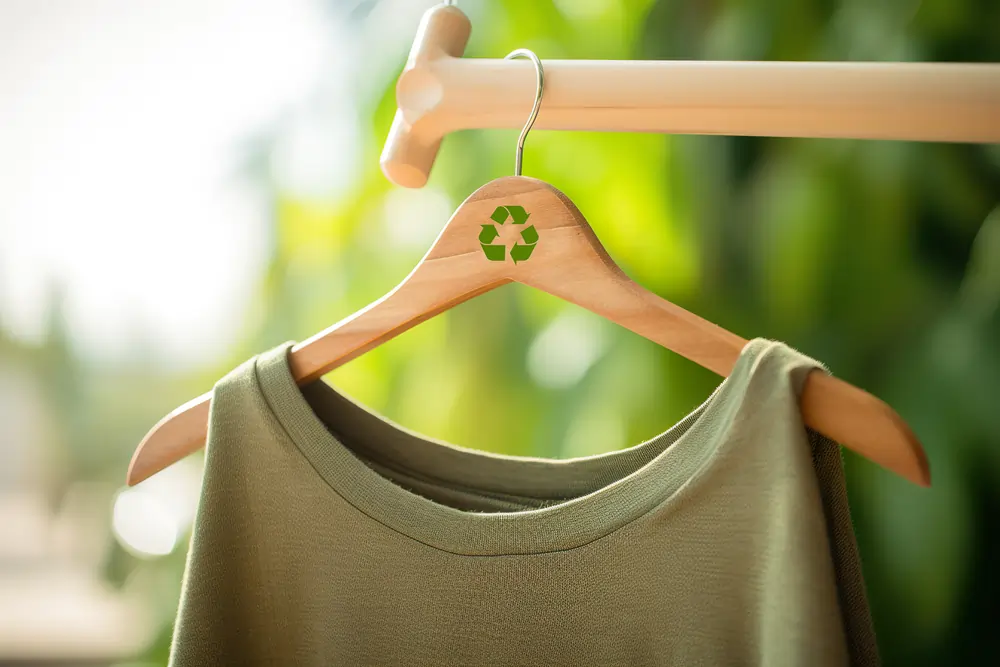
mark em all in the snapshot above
pixel 422 295
pixel 837 409
pixel 415 300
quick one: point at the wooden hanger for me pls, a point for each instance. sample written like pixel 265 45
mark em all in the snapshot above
pixel 568 261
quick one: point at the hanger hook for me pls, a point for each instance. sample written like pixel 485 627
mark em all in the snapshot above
pixel 539 87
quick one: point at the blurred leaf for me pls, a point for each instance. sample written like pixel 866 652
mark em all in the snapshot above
pixel 925 540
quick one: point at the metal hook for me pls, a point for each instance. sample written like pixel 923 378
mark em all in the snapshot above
pixel 539 87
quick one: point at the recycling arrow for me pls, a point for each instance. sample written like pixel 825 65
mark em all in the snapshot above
pixel 516 213
pixel 520 252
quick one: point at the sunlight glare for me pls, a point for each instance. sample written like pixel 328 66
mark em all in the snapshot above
pixel 125 129
pixel 563 352
pixel 143 524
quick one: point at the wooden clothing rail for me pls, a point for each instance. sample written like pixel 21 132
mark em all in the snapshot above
pixel 439 92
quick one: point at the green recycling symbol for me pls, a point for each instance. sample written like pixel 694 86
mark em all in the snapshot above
pixel 521 251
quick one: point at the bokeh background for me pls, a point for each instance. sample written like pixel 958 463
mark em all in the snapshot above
pixel 185 184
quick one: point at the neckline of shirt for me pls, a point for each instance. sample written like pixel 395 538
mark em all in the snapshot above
pixel 675 459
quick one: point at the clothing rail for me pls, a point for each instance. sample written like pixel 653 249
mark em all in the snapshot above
pixel 439 92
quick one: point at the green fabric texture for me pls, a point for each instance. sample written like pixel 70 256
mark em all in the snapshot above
pixel 328 535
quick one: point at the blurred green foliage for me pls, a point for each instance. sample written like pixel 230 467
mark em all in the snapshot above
pixel 878 258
